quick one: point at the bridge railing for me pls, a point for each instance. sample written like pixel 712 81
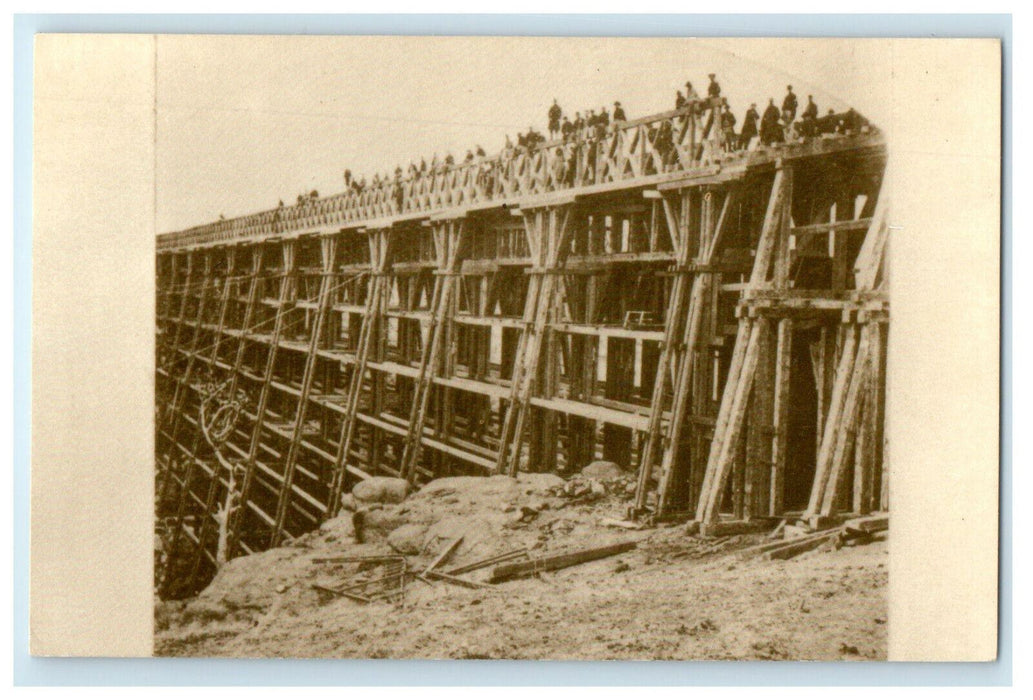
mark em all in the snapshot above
pixel 668 142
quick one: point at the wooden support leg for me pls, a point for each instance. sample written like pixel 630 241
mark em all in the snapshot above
pixel 780 439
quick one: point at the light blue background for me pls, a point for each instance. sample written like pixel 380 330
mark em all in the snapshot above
pixel 44 671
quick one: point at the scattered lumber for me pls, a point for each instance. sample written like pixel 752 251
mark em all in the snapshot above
pixel 731 527
pixel 369 559
pixel 344 594
pixel 803 544
pixel 445 554
pixel 506 572
pixel 497 559
pixel 868 525
pixel 448 578
pixel 779 544
pixel 625 524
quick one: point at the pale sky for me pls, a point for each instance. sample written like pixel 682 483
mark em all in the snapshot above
pixel 246 121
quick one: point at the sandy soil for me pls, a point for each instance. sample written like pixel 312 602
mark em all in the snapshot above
pixel 673 597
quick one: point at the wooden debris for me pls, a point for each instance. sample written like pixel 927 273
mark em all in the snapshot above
pixel 626 524
pixel 498 559
pixel 445 554
pixel 466 583
pixel 804 544
pixel 869 525
pixel 734 527
pixel 506 572
pixel 344 594
pixel 371 559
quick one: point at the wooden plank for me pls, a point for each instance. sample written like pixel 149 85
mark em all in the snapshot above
pixel 739 392
pixel 444 555
pixel 869 524
pixel 847 428
pixel 804 544
pixel 507 572
pixel 780 437
pixel 830 432
pixel 602 414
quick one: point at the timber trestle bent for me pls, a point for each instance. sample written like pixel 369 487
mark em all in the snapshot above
pixel 715 323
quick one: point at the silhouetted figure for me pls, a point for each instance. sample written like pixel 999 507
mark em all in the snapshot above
pixel 480 151
pixel 749 127
pixel 469 156
pixel 809 119
pixel 690 93
pixel 554 119
pixel 811 110
pixel 713 90
pixel 618 113
pixel 567 129
pixel 789 105
pixel 728 126
pixel 770 130
pixel 679 101
pixel 664 143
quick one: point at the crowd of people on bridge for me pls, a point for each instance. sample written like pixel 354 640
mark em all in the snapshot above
pixel 569 134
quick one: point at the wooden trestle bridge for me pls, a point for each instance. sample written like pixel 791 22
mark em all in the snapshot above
pixel 716 321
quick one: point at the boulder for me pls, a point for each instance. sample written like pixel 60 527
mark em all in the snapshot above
pixel 381 489
pixel 601 469
pixel 407 539
pixel 382 521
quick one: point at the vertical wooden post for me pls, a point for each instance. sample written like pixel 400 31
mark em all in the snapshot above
pixel 448 237
pixel 780 438
pixel 744 358
pixel 328 251
pixel 548 234
pixel 757 467
pixel 286 294
pixel 380 263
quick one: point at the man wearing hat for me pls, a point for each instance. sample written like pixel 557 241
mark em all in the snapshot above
pixel 690 94
pixel 554 119
pixel 789 106
pixel 770 131
pixel 618 113
pixel 749 127
pixel 714 90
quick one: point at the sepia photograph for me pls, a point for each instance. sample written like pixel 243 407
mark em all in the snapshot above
pixel 542 348
pixel 520 348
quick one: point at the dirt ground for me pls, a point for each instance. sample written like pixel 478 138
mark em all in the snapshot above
pixel 672 597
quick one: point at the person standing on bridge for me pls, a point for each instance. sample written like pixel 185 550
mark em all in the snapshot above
pixel 618 113
pixel 789 105
pixel 690 94
pixel 810 118
pixel 714 89
pixel 554 119
pixel 728 126
pixel 567 129
pixel 679 101
pixel 770 131
pixel 749 127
